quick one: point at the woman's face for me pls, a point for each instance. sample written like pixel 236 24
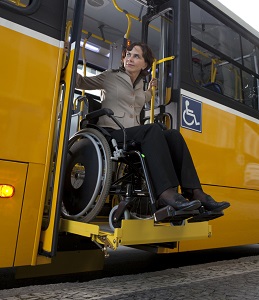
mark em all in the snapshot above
pixel 134 61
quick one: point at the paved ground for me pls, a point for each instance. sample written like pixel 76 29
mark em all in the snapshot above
pixel 234 279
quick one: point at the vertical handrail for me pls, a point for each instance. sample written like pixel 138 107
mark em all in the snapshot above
pixel 213 70
pixel 153 90
pixel 84 73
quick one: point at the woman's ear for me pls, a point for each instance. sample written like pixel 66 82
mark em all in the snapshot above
pixel 144 67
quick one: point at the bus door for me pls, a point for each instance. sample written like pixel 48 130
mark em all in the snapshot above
pixel 31 52
pixel 49 236
pixel 160 33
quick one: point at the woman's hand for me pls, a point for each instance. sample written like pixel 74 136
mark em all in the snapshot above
pixel 66 47
pixel 152 83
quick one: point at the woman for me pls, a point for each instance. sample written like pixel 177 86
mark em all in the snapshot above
pixel 167 156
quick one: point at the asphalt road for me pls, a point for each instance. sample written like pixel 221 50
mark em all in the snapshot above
pixel 129 261
pixel 221 274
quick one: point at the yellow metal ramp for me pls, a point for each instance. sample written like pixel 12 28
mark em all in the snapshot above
pixel 138 232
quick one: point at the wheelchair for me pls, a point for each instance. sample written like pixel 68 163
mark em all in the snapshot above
pixel 98 167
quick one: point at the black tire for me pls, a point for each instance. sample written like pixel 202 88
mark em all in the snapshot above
pixel 88 175
pixel 112 224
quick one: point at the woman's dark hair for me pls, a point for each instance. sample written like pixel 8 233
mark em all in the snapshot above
pixel 147 55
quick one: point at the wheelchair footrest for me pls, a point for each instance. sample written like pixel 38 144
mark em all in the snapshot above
pixel 168 214
pixel 206 216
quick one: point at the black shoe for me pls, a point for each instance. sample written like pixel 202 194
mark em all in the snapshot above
pixel 210 204
pixel 179 203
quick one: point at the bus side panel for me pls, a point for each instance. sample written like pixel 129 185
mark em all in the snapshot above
pixel 31 216
pixel 15 174
pixel 27 83
pixel 30 81
pixel 226 153
pixel 238 226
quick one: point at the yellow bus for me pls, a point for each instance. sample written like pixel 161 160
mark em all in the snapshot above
pixel 207 67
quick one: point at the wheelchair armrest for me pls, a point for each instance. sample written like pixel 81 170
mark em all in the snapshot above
pixel 98 113
pixel 162 125
pixel 108 112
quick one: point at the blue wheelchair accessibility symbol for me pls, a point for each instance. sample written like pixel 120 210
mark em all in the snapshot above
pixel 191 114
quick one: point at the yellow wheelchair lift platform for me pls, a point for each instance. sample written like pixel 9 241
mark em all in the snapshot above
pixel 137 232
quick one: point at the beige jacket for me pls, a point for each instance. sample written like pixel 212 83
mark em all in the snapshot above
pixel 118 94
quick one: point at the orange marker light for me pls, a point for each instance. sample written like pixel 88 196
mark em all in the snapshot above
pixel 6 191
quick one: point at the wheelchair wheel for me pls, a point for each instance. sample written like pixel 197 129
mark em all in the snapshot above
pixel 114 225
pixel 88 175
pixel 140 207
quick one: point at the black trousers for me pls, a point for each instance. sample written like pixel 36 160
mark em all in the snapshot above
pixel 167 156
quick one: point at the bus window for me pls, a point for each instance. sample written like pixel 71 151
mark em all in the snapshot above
pixel 250 55
pixel 215 73
pixel 222 60
pixel 250 90
pixel 207 29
